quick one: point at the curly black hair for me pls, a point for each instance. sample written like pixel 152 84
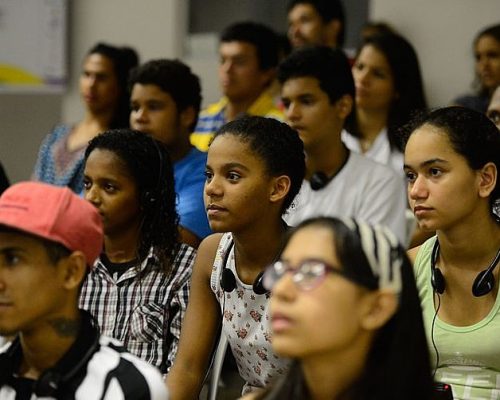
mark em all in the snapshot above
pixel 148 163
pixel 278 145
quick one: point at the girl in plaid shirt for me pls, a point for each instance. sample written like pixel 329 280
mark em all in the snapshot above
pixel 139 288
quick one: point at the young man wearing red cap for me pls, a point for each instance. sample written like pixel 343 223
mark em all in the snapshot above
pixel 49 238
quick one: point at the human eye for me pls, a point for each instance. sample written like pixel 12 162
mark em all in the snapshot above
pixel 308 273
pixel 233 176
pixel 86 183
pixel 380 74
pixel 10 258
pixel 286 103
pixel 307 100
pixel 134 107
pixel 410 176
pixel 435 172
pixel 155 106
pixel 208 175
pixel 358 66
pixel 110 187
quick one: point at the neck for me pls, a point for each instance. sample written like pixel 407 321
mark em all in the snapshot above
pixel 180 149
pixel 332 376
pixel 473 243
pixel 122 246
pixel 258 247
pixel 370 123
pixel 328 159
pixel 100 120
pixel 236 107
pixel 45 346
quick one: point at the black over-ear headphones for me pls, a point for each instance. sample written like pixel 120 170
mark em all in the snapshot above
pixel 51 379
pixel 228 280
pixel 319 180
pixel 483 284
pixel 151 197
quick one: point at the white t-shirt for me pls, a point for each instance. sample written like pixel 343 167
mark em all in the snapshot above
pixel 362 189
pixel 380 151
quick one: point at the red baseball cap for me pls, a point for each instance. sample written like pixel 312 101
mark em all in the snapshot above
pixel 53 213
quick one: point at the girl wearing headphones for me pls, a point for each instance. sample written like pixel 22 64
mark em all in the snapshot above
pixel 345 307
pixel 255 167
pixel 452 159
pixel 138 289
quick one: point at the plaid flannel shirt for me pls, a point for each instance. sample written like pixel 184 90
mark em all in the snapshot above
pixel 144 307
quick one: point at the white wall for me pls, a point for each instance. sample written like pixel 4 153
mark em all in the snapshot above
pixel 156 28
pixel 442 32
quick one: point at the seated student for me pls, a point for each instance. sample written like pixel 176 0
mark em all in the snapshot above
pixel 338 182
pixel 316 23
pixel 165 100
pixel 138 290
pixel 345 308
pixel 493 111
pixel 249 54
pixel 487 59
pixel 254 169
pixel 389 89
pixel 452 159
pixel 49 239
pixel 103 88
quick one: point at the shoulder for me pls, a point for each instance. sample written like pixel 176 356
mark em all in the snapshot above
pixel 213 108
pixel 379 174
pixel 120 373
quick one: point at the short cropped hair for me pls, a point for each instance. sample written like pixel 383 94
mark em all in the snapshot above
pixel 262 37
pixel 329 66
pixel 172 77
pixel 328 10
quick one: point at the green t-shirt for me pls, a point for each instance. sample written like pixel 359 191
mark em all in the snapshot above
pixel 469 356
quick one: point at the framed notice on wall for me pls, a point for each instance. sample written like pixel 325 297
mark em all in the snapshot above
pixel 33 45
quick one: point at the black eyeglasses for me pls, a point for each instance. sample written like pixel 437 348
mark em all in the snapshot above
pixel 494 115
pixel 306 276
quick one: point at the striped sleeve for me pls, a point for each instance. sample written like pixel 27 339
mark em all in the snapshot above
pixel 115 374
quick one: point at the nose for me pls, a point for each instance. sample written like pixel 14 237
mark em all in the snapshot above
pixel 292 112
pixel 92 196
pixel 213 187
pixel 361 76
pixel 418 189
pixel 140 115
pixel 284 288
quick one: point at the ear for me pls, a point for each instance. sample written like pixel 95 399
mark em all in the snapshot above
pixel 344 106
pixel 75 269
pixel 487 179
pixel 280 186
pixel 187 117
pixel 332 32
pixel 381 306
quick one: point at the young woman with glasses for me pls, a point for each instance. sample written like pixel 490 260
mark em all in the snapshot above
pixel 344 306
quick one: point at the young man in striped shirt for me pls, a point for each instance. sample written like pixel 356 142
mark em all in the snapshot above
pixel 49 238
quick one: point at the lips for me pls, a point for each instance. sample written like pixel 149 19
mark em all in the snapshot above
pixel 214 210
pixel 421 210
pixel 280 322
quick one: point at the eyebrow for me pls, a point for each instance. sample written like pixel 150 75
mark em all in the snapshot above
pixel 428 162
pixel 231 165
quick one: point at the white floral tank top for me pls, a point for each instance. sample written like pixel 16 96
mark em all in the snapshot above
pixel 246 323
